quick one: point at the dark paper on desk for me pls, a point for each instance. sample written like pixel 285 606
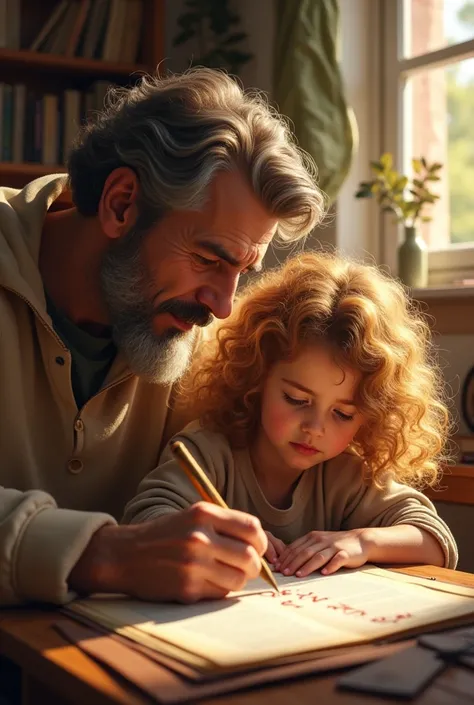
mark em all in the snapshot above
pixel 168 687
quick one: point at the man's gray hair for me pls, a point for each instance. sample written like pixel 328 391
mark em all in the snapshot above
pixel 177 132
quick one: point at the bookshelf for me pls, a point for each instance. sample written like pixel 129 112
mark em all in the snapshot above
pixel 57 58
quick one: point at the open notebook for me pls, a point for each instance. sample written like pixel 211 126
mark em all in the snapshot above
pixel 258 626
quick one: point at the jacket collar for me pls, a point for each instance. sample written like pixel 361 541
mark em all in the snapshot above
pixel 22 214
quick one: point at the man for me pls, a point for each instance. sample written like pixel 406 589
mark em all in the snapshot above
pixel 178 187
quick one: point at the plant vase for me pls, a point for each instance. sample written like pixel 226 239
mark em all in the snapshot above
pixel 413 259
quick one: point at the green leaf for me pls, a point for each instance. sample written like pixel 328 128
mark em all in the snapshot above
pixel 417 166
pixel 376 166
pixel 386 160
pixel 435 167
pixel 402 182
pixel 187 19
pixel 425 218
pixel 363 193
pixel 183 37
pixel 432 177
pixel 423 161
pixel 236 57
pixel 235 37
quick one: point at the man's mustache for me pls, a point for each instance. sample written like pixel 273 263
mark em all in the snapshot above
pixel 186 311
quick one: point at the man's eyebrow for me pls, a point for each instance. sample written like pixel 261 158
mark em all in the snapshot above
pixel 219 251
pixel 349 402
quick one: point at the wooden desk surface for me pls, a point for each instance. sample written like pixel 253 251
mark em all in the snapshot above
pixel 56 672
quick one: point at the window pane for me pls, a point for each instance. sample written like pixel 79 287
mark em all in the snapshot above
pixel 433 24
pixel 439 125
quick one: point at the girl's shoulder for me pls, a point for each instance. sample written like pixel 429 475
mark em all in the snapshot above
pixel 211 444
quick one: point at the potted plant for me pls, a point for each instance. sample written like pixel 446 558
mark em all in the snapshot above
pixel 407 199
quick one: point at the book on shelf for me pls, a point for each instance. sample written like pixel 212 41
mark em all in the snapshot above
pixel 40 127
pixel 19 106
pixel 108 30
pixel 10 24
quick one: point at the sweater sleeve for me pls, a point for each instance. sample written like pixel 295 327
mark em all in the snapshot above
pixel 368 506
pixel 167 489
pixel 39 546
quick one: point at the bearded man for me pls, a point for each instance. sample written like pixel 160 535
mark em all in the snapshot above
pixel 178 187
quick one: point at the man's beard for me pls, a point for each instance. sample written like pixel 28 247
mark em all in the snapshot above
pixel 161 359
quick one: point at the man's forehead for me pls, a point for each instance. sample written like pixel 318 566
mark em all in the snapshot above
pixel 233 207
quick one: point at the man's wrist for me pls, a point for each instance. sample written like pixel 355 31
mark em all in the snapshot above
pixel 102 566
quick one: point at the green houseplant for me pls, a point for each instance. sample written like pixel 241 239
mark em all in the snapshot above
pixel 215 27
pixel 406 198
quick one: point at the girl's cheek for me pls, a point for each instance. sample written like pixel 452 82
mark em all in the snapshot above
pixel 345 438
pixel 278 418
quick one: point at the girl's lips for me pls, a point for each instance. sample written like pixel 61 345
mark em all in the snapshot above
pixel 304 449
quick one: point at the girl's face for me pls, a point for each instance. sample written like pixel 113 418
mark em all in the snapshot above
pixel 308 412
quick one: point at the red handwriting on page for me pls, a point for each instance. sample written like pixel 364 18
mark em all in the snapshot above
pixel 298 598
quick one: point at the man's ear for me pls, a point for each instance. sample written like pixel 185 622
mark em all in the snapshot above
pixel 118 204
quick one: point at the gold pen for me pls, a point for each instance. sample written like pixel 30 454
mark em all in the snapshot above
pixel 208 492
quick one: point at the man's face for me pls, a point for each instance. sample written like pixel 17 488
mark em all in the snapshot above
pixel 158 285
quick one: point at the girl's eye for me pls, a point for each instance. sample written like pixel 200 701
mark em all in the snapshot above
pixel 206 261
pixel 293 401
pixel 343 417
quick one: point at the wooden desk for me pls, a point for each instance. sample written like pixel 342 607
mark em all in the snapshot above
pixel 55 672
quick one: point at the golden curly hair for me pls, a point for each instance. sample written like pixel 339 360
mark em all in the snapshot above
pixel 370 323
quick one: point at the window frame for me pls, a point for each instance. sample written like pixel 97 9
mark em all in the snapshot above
pixel 445 265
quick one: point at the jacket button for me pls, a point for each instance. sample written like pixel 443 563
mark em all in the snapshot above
pixel 59 360
pixel 75 466
pixel 79 425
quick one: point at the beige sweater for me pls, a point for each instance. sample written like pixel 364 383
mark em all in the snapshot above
pixel 64 471
pixel 332 496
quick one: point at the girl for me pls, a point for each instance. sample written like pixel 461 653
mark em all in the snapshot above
pixel 319 410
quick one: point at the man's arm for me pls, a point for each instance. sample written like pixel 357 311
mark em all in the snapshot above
pixel 49 554
pixel 39 545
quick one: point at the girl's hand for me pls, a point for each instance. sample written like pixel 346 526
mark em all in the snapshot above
pixel 331 549
pixel 275 548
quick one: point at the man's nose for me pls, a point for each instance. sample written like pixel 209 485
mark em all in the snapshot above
pixel 219 296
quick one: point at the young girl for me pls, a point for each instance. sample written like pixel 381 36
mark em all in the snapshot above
pixel 319 410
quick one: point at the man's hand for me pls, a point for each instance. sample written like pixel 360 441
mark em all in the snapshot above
pixel 201 552
pixel 329 550
pixel 275 548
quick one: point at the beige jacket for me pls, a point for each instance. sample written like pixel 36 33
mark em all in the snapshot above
pixel 64 472
pixel 332 496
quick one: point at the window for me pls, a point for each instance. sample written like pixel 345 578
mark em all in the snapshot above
pixel 428 100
